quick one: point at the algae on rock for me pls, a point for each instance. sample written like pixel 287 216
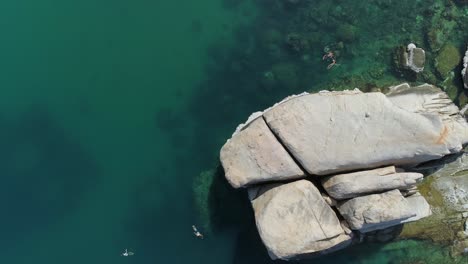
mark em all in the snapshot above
pixel 447 59
pixel 446 191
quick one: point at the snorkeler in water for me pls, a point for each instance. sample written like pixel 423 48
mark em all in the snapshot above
pixel 127 253
pixel 196 232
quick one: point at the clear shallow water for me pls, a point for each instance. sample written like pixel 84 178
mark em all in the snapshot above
pixel 108 110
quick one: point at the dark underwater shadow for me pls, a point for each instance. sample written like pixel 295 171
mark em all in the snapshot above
pixel 250 250
pixel 45 173
pixel 228 207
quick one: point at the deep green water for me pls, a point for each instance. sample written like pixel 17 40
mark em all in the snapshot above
pixel 110 109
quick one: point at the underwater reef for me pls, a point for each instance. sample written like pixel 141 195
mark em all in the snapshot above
pixel 296 46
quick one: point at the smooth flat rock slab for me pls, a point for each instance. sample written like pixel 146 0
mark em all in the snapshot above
pixel 341 131
pixel 254 155
pixel 376 211
pixel 294 221
pixel 349 185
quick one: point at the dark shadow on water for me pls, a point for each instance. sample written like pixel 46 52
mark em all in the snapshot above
pixel 250 250
pixel 229 208
pixel 44 172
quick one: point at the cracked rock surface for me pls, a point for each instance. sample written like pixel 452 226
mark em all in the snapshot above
pixel 365 150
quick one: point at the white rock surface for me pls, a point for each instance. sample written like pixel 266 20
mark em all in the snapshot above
pixel 349 185
pixel 334 132
pixel 376 211
pixel 254 155
pixel 258 114
pixel 419 206
pixel 294 221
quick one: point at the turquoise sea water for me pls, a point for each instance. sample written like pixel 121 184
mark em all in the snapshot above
pixel 110 109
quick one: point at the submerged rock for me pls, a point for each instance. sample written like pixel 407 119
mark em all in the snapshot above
pixel 412 58
pixel 286 74
pixel 445 188
pixel 446 61
pixel 294 221
pixel 349 185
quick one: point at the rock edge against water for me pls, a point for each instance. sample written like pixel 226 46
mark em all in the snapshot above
pixel 355 152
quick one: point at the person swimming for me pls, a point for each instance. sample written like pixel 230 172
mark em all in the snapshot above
pixel 127 253
pixel 196 232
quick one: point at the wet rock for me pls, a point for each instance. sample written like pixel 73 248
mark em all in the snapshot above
pixel 409 192
pixel 376 211
pixel 419 206
pixel 383 235
pixel 413 58
pixel 349 185
pixel 439 30
pixel 294 221
pixel 454 190
pixel 254 155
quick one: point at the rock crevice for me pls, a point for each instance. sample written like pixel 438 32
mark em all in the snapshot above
pixel 354 145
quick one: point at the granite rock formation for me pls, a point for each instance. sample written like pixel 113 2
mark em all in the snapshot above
pixel 362 148
pixel 445 188
pixel 350 185
pixel 332 132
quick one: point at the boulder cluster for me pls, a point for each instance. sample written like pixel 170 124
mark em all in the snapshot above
pixel 324 169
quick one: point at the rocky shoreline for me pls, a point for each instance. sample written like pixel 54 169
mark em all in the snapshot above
pixel 326 170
